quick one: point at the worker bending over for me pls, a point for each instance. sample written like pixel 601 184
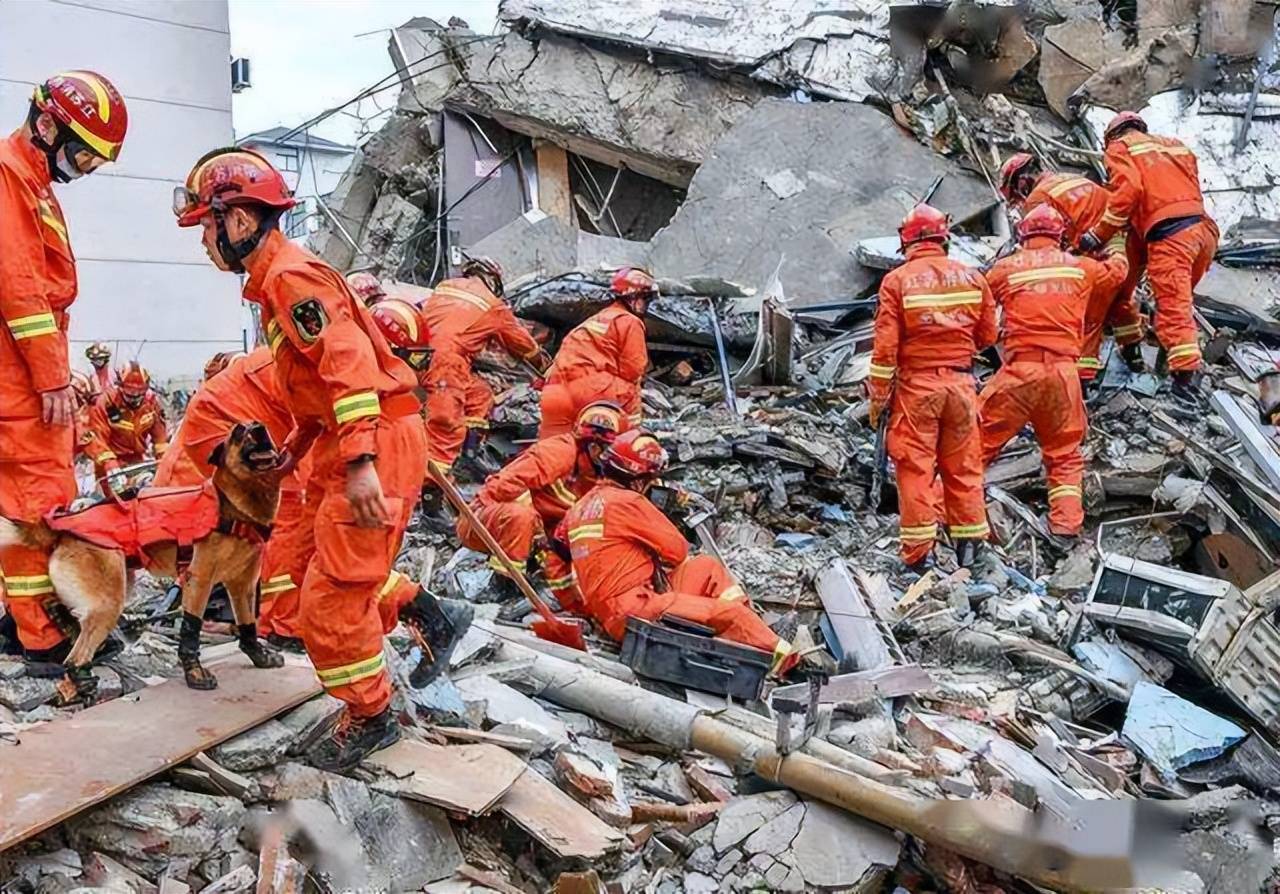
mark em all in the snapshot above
pixel 1044 293
pixel 352 402
pixel 934 314
pixel 1082 204
pixel 1155 191
pixel 522 504
pixel 464 314
pixel 632 562
pixel 125 423
pixel 604 358
pixel 76 122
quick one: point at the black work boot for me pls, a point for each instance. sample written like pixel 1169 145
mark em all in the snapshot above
pixel 966 552
pixel 354 739
pixel 195 673
pixel 78 686
pixel 434 515
pixel 436 625
pixel 287 643
pixel 259 653
pixel 922 566
pixel 1132 355
pixel 473 463
pixel 1185 394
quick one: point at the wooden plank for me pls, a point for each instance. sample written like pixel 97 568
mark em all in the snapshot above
pixel 554 193
pixel 560 823
pixel 885 682
pixel 463 734
pixel 123 742
pixel 469 778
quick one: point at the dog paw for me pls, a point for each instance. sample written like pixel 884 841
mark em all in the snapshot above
pixel 198 677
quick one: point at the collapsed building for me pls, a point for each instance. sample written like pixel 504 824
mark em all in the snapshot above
pixel 1044 721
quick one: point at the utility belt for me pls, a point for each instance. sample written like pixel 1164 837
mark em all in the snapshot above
pixel 1167 228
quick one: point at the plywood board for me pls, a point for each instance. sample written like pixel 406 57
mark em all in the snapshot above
pixel 64 766
pixel 469 778
pixel 560 823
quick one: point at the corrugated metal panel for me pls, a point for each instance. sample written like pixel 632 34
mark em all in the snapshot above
pixel 1238 649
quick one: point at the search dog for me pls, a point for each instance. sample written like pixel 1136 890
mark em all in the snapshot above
pixel 203 535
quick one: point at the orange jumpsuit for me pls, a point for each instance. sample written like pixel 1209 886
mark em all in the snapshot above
pixel 335 368
pixel 604 358
pixel 525 501
pixel 1155 181
pixel 619 541
pixel 934 314
pixel 1045 293
pixel 1083 203
pixel 122 434
pixel 37 285
pixel 463 315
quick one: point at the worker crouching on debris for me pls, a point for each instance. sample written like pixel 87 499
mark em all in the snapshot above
pixel 528 498
pixel 124 424
pixel 624 549
pixel 75 123
pixel 464 314
pixel 934 315
pixel 1083 205
pixel 1044 293
pixel 353 400
pixel 1155 191
pixel 604 358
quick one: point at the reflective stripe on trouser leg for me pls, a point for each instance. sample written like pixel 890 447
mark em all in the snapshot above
pixel 27 589
pixel 960 460
pixel 1174 264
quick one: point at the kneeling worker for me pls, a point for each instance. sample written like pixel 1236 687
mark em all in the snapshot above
pixel 527 499
pixel 623 546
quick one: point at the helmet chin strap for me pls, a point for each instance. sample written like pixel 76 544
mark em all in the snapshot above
pixel 234 253
pixel 50 150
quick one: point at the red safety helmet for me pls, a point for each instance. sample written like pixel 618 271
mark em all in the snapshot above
pixel 1122 122
pixel 226 177
pixel 366 286
pixel 599 422
pixel 924 223
pixel 1042 220
pixel 635 454
pixel 632 282
pixel 220 361
pixel 486 269
pixel 98 353
pixel 402 324
pixel 133 382
pixel 1023 163
pixel 89 111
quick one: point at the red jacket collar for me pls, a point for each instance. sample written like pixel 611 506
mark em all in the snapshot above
pixel 926 250
pixel 259 262
pixel 34 162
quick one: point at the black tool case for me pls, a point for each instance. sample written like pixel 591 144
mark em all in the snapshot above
pixel 686 654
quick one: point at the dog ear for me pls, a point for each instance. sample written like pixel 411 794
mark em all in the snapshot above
pixel 218 455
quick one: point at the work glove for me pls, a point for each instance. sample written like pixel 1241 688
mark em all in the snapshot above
pixel 1089 242
pixel 112 480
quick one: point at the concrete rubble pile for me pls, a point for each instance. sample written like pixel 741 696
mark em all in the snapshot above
pixel 1046 720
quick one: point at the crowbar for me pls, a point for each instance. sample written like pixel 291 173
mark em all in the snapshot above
pixel 551 628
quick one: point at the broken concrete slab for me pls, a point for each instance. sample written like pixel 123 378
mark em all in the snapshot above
pixel 310 721
pixel 502 704
pixel 743 816
pixel 734 227
pixel 26 693
pixel 467 778
pixel 836 849
pixel 345 212
pixel 259 748
pixel 832 48
pixel 775 836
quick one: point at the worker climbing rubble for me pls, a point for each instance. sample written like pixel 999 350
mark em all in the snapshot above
pixel 1154 185
pixel 1044 293
pixel 1082 204
pixel 76 122
pixel 125 424
pixel 464 314
pixel 630 561
pixel 934 315
pixel 603 358
pixel 524 502
pixel 353 404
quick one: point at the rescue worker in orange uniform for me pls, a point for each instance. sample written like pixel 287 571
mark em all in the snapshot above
pixel 99 357
pixel 1045 293
pixel 366 287
pixel 522 504
pixel 604 358
pixel 123 423
pixel 353 405
pixel 623 546
pixel 76 122
pixel 464 314
pixel 934 315
pixel 1082 204
pixel 1155 191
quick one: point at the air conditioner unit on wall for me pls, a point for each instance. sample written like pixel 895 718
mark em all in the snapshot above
pixel 240 75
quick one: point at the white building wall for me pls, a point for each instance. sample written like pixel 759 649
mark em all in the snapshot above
pixel 146 287
pixel 310 173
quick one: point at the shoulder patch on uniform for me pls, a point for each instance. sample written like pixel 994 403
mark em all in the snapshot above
pixel 309 318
